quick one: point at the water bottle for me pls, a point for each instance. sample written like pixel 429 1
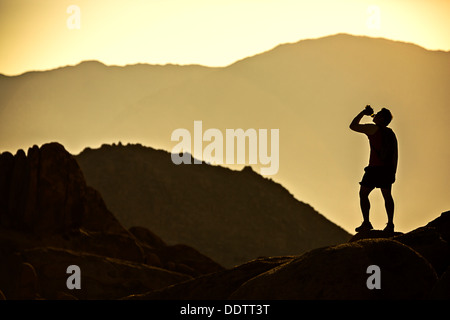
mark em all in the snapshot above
pixel 369 111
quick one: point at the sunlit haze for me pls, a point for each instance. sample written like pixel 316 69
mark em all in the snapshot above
pixel 35 35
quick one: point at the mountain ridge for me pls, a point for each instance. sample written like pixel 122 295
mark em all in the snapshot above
pixel 310 91
pixel 340 34
pixel 228 214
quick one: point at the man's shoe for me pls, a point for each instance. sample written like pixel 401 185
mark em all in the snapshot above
pixel 389 228
pixel 365 226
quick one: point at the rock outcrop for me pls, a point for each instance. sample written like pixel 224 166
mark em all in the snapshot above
pixel 441 290
pixel 101 277
pixel 44 193
pixel 50 219
pixel 413 265
pixel 215 286
pixel 340 272
pixel 178 258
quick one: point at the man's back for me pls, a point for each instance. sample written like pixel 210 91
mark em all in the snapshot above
pixel 383 148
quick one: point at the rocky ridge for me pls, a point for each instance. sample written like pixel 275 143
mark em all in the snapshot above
pixel 50 219
pixel 414 265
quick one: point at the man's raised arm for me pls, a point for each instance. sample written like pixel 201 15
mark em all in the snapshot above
pixel 368 129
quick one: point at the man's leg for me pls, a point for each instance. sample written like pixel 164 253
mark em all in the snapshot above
pixel 365 208
pixel 389 204
pixel 365 202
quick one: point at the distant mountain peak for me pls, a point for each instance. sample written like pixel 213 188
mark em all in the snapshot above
pixel 91 63
pixel 208 207
pixel 340 39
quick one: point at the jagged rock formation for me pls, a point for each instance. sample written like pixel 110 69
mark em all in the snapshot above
pixel 44 192
pixel 50 219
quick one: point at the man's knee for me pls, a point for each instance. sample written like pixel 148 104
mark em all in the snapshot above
pixel 386 193
pixel 364 192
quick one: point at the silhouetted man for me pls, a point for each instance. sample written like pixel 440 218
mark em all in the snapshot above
pixel 380 173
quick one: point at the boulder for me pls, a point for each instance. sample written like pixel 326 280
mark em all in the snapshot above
pixel 188 260
pixel 374 234
pixel 101 277
pixel 18 279
pixel 441 290
pixel 214 286
pixel 179 257
pixel 44 192
pixel 27 283
pixel 428 242
pixel 44 201
pixel 148 237
pixel 431 241
pixel 340 272
pixel 442 225
pixel 50 219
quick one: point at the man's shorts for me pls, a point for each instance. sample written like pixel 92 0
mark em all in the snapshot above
pixel 378 177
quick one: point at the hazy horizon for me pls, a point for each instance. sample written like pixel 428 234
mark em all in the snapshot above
pixel 45 35
pixel 212 66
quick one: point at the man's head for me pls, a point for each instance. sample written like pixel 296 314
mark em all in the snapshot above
pixel 383 117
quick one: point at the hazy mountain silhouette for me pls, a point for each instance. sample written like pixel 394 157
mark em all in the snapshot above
pixel 310 90
pixel 231 216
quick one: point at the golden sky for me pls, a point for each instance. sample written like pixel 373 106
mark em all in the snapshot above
pixel 43 34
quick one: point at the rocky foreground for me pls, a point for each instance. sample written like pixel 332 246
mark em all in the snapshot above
pixel 414 265
pixel 50 220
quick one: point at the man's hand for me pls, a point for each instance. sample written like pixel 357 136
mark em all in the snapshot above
pixel 367 129
pixel 368 111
